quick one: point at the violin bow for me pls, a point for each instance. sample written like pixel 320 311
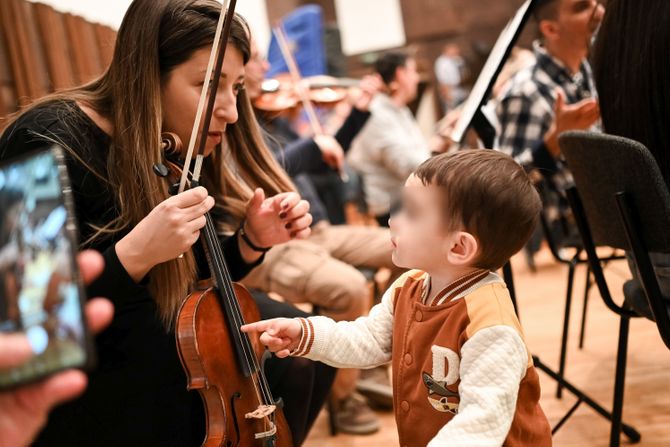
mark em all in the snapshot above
pixel 293 70
pixel 216 57
pixel 215 64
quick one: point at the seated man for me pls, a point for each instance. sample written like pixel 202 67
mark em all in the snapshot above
pixel 391 146
pixel 553 95
pixel 322 269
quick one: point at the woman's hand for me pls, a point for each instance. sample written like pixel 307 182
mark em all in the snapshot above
pixel 280 335
pixel 277 219
pixel 169 230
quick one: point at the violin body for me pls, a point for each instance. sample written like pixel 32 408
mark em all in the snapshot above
pixel 208 354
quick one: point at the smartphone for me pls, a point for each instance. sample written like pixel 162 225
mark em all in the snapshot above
pixel 41 292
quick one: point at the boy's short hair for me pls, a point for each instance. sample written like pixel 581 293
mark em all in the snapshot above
pixel 388 63
pixel 489 195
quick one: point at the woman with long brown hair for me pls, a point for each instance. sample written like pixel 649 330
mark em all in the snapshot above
pixel 111 131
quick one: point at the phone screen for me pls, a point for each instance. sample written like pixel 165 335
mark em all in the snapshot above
pixel 40 289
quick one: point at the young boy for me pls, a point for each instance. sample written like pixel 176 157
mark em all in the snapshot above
pixel 462 375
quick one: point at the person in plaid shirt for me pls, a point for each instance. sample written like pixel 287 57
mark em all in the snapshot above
pixel 555 94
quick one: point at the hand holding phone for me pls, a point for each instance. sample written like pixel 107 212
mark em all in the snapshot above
pixel 43 326
pixel 25 409
pixel 41 293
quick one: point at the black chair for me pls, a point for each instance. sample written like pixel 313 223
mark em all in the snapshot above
pixel 622 202
pixel 576 258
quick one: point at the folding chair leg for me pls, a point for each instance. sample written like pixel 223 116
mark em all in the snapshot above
pixel 587 289
pixel 508 277
pixel 332 426
pixel 619 382
pixel 566 324
pixel 631 433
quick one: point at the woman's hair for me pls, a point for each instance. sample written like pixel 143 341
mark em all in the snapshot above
pixel 154 38
pixel 632 74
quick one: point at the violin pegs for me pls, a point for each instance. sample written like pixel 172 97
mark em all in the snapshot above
pixel 173 189
pixel 161 170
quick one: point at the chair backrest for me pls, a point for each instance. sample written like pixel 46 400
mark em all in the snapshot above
pixel 603 165
pixel 626 202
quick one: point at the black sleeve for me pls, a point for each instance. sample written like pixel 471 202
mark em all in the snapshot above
pixel 301 156
pixel 231 250
pixel 350 128
pixel 115 283
pixel 304 155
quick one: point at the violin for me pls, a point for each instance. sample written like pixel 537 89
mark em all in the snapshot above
pixel 223 364
pixel 220 361
pixel 281 93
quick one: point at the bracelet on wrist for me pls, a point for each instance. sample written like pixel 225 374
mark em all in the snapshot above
pixel 247 240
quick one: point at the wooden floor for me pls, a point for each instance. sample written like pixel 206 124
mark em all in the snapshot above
pixel 541 298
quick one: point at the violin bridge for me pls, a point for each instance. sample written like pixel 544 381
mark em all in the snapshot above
pixel 261 412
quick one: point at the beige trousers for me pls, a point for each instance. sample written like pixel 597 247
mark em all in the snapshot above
pixel 322 269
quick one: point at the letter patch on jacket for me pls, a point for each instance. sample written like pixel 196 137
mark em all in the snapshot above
pixel 446 364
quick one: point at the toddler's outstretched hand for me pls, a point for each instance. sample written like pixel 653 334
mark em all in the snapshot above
pixel 280 335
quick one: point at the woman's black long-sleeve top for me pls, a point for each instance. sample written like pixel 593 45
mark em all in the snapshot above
pixel 137 394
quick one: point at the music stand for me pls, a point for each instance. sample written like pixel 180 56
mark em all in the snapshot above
pixel 472 113
pixel 474 116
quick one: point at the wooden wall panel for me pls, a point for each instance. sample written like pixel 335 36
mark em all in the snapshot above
pixel 277 9
pixel 8 99
pixel 42 50
pixel 34 59
pixel 85 51
pixel 105 38
pixel 427 19
pixel 25 50
pixel 56 46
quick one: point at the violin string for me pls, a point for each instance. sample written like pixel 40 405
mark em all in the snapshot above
pixel 219 265
pixel 249 355
pixel 261 389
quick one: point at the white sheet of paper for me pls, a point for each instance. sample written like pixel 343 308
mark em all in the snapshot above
pixel 369 25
